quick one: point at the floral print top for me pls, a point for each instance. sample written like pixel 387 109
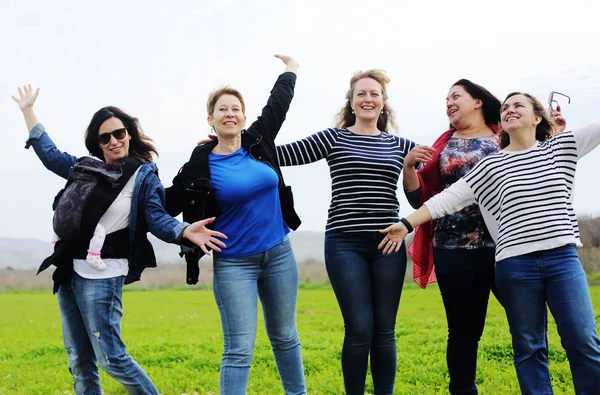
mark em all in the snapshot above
pixel 464 229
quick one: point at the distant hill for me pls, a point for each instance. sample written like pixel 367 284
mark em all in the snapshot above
pixel 23 254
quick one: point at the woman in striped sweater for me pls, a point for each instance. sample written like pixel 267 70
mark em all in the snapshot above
pixel 365 162
pixel 525 194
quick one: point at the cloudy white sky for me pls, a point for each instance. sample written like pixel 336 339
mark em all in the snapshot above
pixel 159 60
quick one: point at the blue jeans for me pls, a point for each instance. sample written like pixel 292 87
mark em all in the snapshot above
pixel 554 278
pixel 465 278
pixel 238 283
pixel 367 286
pixel 91 313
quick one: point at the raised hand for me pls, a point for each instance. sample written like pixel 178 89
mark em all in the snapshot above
pixel 419 154
pixel 203 237
pixel 394 236
pixel 291 64
pixel 560 122
pixel 27 97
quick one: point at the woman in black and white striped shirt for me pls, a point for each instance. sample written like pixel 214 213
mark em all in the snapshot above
pixel 365 162
pixel 525 193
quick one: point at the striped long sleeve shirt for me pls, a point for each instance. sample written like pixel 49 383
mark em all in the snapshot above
pixel 364 175
pixel 526 197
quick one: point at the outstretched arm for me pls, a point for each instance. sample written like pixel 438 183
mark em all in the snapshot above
pixel 308 150
pixel 587 138
pixel 449 201
pixel 169 229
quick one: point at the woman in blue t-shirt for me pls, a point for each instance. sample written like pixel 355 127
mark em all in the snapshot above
pixel 237 180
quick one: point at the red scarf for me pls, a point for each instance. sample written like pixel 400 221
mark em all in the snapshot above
pixel 421 249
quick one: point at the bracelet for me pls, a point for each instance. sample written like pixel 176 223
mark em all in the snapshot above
pixel 407 224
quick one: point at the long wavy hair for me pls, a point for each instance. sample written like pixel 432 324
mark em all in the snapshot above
pixel 543 130
pixel 346 117
pixel 140 145
pixel 490 103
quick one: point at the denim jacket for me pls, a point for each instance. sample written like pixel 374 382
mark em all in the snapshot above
pixel 147 203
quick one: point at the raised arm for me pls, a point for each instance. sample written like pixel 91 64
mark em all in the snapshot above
pixel 26 100
pixel 273 114
pixel 451 200
pixel 54 160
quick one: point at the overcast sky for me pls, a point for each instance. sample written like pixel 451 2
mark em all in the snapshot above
pixel 159 61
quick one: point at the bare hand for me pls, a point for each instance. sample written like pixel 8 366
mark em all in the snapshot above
pixel 203 237
pixel 291 64
pixel 560 122
pixel 27 97
pixel 394 236
pixel 209 139
pixel 419 154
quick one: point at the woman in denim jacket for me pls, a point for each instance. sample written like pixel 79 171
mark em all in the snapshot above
pixel 90 300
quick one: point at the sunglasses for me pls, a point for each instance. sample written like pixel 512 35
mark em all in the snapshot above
pixel 119 134
pixel 552 101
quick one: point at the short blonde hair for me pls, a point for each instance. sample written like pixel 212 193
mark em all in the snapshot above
pixel 215 95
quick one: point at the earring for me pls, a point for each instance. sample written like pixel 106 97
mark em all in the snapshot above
pixel 382 111
pixel 212 130
pixel 352 111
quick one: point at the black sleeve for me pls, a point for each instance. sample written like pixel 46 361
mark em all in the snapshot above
pixel 174 203
pixel 273 114
pixel 176 193
pixel 413 197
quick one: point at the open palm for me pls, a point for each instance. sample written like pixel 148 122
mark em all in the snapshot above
pixel 27 96
pixel 204 237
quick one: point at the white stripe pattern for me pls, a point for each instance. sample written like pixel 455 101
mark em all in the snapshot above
pixel 526 197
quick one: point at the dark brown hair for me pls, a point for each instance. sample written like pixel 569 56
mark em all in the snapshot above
pixel 140 145
pixel 543 130
pixel 490 103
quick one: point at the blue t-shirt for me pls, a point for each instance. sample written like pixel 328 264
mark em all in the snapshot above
pixel 248 198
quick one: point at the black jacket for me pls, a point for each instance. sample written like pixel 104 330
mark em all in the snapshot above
pixel 191 192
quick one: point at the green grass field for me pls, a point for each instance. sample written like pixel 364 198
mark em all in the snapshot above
pixel 176 336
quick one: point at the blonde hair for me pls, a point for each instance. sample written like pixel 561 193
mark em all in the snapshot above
pixel 346 117
pixel 215 95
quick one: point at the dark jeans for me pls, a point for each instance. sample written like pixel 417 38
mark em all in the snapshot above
pixel 465 278
pixel 368 286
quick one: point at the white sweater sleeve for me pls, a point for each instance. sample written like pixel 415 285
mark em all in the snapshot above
pixel 587 138
pixel 456 197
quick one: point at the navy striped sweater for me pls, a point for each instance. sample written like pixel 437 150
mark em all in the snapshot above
pixel 364 175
